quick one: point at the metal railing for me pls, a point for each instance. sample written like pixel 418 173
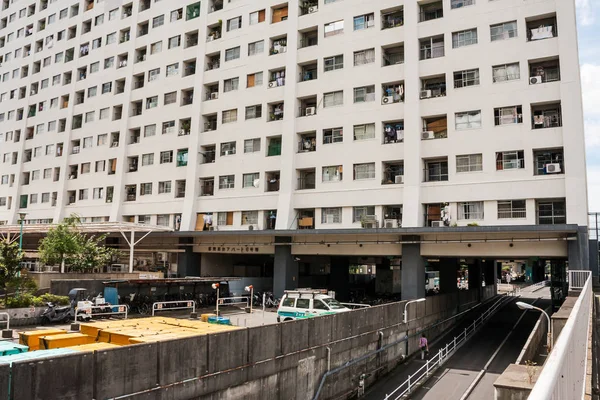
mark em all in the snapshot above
pixel 233 301
pixel 122 309
pixel 172 305
pixel 7 319
pixel 564 372
pixel 445 352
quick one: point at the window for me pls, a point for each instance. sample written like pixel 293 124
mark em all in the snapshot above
pixel 333 99
pixel 467 120
pixel 94 67
pixel 364 22
pixel 145 189
pixel 175 41
pixel 470 210
pixel 99 20
pixel 255 48
pixel 168 127
pixel 249 179
pixel 464 38
pixel 89 116
pixel 255 79
pixel 234 23
pixel 510 160
pixel 104 113
pixel 102 139
pixel 253 112
pixel 249 217
pixel 166 157
pixel 47 173
pixel 364 171
pixel 334 135
pixel 468 77
pixel 176 15
pixel 151 102
pixel 164 187
pixel 252 145
pixel 112 14
pixel 512 209
pixel 334 28
pixel 149 130
pixel 153 74
pixel 156 47
pixel 147 159
pixel 35 175
pixel 83 194
pixel 469 163
pixel 506 72
pixel 111 38
pixel 551 212
pixel 364 94
pixel 332 173
pixel 364 57
pixel 232 84
pixel 360 213
pixel 87 142
pixel 173 69
pixel 33 198
pixel 170 98
pixel 333 63
pixel 508 115
pixel 100 166
pixel 257 17
pixel 229 116
pixel 97 193
pixel 503 31
pixel 158 21
pixel 228 148
pixel 364 132
pixel 227 182
pixel 225 218
pixel 461 3
pixel 331 216
pixel 232 54
pixel 109 62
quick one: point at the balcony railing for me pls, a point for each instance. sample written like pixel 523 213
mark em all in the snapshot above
pixel 307 145
pixel 514 213
pixel 548 119
pixel 432 52
pixel 541 32
pixel 306 182
pixel 435 174
pixel 392 22
pixel 392 178
pixel 430 15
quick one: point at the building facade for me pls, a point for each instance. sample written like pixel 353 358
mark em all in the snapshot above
pixel 224 117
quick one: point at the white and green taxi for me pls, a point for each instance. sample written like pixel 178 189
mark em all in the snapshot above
pixel 307 303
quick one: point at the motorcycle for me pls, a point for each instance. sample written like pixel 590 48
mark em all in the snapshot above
pixel 57 314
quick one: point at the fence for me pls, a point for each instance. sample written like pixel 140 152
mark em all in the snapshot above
pixel 444 353
pixel 171 305
pixel 563 375
pixel 7 319
pixel 121 310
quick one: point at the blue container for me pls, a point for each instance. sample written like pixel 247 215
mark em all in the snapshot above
pixel 223 321
pixel 8 348
pixel 213 320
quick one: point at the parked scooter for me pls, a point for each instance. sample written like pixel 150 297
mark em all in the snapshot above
pixel 57 314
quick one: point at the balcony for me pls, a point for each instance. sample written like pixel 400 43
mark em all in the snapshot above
pixel 131 193
pixel 207 186
pixel 393 132
pixel 392 93
pixel 433 87
pixel 434 215
pixel 508 115
pixel 276 78
pixel 208 154
pixel 546 116
pixel 189 68
pixel 210 124
pixel 191 39
pixel 278 46
pixel 306 219
pixel 435 171
pixel 539 29
pixel 309 38
pixel 275 112
pixel 393 55
pixel 548 162
pixel 392 19
pixel 214 33
pixel 431 48
pixel 307 143
pixel 544 71
pixel 431 11
pixel 306 179
pixel 213 63
pixel 308 72
pixel 215 5
pixel 272 180
pixel 393 173
pixel 435 128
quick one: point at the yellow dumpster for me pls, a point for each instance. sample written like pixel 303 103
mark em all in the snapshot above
pixel 32 338
pixel 64 340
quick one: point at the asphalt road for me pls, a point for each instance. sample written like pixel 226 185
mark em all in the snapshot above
pixel 456 375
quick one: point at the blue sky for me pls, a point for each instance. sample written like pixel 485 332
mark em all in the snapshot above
pixel 588 22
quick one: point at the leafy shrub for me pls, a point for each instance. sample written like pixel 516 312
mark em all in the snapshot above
pixel 27 300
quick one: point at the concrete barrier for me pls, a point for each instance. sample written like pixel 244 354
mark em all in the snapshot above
pixel 264 342
pixel 125 370
pixel 227 350
pixel 24 316
pixel 4 381
pixel 538 335
pixel 69 377
pixel 181 359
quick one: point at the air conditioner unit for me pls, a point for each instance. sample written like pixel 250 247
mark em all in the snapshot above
pixel 313 9
pixel 437 224
pixel 399 136
pixel 534 80
pixel 251 227
pixel 427 135
pixel 311 111
pixel 552 168
pixel 214 96
pixel 114 144
pixel 399 179
pixel 272 84
pixel 387 99
pixel 161 256
pixel 369 224
pixel 329 219
pixel 390 223
pixel 425 94
pixel 210 38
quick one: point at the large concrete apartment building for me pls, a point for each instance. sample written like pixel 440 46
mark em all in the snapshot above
pixel 302 136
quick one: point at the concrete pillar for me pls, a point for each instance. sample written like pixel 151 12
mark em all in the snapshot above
pixel 578 250
pixel 448 275
pixel 593 249
pixel 413 272
pixel 340 277
pixel 387 280
pixel 490 271
pixel 285 271
pixel 475 277
pixel 188 263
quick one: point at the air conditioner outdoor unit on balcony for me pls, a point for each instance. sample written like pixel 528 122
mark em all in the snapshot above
pixel 399 179
pixel 552 168
pixel 427 135
pixel 313 9
pixel 390 223
pixel 425 94
pixel 534 80
pixel 214 95
pixel 387 99
pixel 369 224
pixel 272 84
pixel 311 111
pixel 437 224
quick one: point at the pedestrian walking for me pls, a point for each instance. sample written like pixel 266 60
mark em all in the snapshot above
pixel 424 346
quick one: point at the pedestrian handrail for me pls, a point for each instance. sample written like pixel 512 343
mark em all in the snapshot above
pixel 122 309
pixel 564 372
pixel 7 319
pixel 231 301
pixel 577 279
pixel 159 305
pixel 445 352
pixel 355 305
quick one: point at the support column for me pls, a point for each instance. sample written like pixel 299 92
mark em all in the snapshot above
pixel 448 275
pixel 285 272
pixel 384 277
pixel 188 263
pixel 578 250
pixel 413 272
pixel 475 277
pixel 340 277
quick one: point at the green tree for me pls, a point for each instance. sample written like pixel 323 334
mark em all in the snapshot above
pixel 67 246
pixel 10 259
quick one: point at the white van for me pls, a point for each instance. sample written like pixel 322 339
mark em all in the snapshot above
pixel 307 303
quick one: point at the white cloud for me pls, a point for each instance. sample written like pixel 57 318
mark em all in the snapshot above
pixel 585 12
pixel 590 85
pixel 593 176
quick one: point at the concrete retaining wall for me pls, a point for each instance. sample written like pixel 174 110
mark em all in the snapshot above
pixel 538 336
pixel 283 361
pixel 23 316
pixel 43 279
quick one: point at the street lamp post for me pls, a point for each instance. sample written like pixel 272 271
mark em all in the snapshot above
pixel 216 287
pixel 527 306
pixel 409 302
pixel 250 289
pixel 21 221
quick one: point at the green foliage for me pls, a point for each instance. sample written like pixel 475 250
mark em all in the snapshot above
pixel 28 300
pixel 473 224
pixel 10 258
pixel 79 252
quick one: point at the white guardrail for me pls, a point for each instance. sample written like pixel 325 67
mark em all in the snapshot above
pixel 160 305
pixel 445 352
pixel 563 373
pixel 122 309
pixel 7 319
